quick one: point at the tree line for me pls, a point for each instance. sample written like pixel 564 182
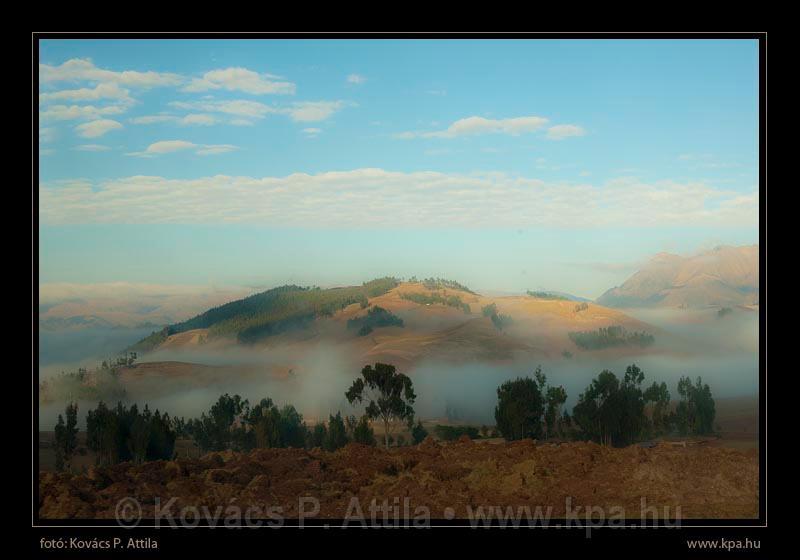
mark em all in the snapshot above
pixel 435 298
pixel 272 312
pixel 610 411
pixel 375 318
pixel 610 337
pixel 82 384
pixel 499 320
pixel 440 283
pixel 547 295
pixel 125 434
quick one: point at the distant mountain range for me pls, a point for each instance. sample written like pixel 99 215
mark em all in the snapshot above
pixel 724 276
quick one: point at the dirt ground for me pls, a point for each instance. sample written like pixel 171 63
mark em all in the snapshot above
pixel 703 481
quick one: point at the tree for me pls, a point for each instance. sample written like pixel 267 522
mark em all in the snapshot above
pixel 452 433
pixel 101 434
pixel 337 433
pixel 215 431
pixel 292 428
pixel 632 418
pixel 657 395
pixel 363 432
pixel 501 321
pixel 318 436
pixel 161 444
pixel 390 395
pixel 419 433
pixel 66 436
pixel 554 397
pixel 519 408
pixel 612 412
pixel 596 413
pixel 264 421
pixel 266 426
pixel 139 438
pixel 375 318
pixel 125 434
pixel 696 411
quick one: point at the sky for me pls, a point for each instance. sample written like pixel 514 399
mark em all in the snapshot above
pixel 506 165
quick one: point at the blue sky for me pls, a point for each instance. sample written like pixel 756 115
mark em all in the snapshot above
pixel 507 164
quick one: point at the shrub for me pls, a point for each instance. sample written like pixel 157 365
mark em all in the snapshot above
pixel 363 432
pixel 452 433
pixel 418 433
pixel 318 436
pixel 609 337
pixel 375 318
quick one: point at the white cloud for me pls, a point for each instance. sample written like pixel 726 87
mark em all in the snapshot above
pixel 312 111
pixel 108 86
pixel 95 129
pixel 74 112
pixel 390 199
pixel 47 135
pixel 198 119
pixel 240 107
pixel 192 119
pixel 561 131
pixel 212 150
pixel 101 91
pixel 152 119
pixel 301 111
pixel 92 148
pixel 169 146
pixel 240 79
pixel 471 126
pixel 312 132
pixel 77 70
pixel 356 79
pixel 164 147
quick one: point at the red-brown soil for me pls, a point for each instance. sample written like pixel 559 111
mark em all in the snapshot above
pixel 703 481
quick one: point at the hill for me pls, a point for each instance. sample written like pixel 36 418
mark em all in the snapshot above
pixel 720 277
pixel 403 323
pixel 270 313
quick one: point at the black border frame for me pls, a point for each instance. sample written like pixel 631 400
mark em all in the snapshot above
pixel 54 527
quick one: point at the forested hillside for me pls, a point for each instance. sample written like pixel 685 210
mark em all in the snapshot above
pixel 271 312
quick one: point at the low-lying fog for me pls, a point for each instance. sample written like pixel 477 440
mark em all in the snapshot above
pixel 68 347
pixel 724 351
